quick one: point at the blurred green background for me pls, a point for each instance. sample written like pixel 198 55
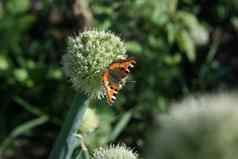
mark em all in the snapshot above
pixel 181 47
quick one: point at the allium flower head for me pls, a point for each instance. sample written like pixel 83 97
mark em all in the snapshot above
pixel 114 152
pixel 87 57
pixel 200 128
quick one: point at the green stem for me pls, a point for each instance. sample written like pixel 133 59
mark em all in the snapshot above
pixel 67 141
pixel 21 129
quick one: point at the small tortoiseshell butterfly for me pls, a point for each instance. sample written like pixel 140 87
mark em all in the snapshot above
pixel 113 77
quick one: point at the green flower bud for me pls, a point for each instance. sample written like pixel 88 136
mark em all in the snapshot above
pixel 203 127
pixel 114 152
pixel 87 57
pixel 89 122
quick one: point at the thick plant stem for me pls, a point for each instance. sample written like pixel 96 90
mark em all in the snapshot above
pixel 67 141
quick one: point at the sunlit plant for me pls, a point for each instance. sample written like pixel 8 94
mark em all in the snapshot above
pixel 88 55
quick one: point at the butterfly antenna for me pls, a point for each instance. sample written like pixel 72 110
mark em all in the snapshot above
pixel 131 84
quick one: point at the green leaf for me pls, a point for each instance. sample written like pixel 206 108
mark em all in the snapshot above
pixel 186 44
pixel 105 25
pixel 197 31
pixel 134 47
pixel 21 129
pixel 25 22
pixel 1 11
pixel 29 125
pixel 67 141
pixel 21 74
pixel 18 6
pixel 55 73
pixel 171 32
pixel 120 125
pixel 35 110
pixel 187 19
pixel 172 60
pixel 28 107
pixel 4 63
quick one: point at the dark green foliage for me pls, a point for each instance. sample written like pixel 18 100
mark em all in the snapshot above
pixel 181 46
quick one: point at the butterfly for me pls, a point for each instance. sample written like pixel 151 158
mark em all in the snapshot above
pixel 113 77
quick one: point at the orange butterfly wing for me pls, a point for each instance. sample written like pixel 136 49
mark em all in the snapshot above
pixel 111 89
pixel 123 65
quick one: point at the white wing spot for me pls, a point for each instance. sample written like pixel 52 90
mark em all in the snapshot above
pixel 114 98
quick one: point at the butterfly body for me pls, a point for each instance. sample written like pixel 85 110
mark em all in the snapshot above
pixel 113 78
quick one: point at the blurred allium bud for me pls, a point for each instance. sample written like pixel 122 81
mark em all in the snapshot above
pixel 114 152
pixel 88 55
pixel 200 128
pixel 89 122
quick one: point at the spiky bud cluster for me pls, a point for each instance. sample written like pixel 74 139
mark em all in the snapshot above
pixel 88 55
pixel 114 152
